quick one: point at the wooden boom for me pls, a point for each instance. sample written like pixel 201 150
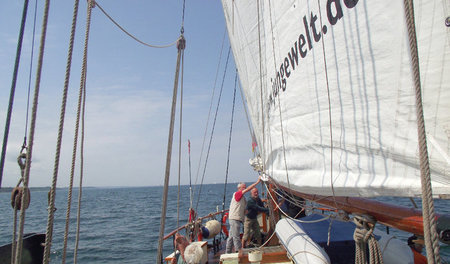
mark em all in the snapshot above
pixel 399 217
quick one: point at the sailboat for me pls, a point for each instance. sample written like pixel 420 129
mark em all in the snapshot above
pixel 348 100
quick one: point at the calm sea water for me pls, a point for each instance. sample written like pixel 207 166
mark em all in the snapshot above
pixel 121 225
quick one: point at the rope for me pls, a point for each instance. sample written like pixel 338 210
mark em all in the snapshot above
pixel 80 192
pixel 363 235
pixel 229 145
pixel 429 219
pixel 212 129
pixel 181 45
pixel 13 89
pixel 26 177
pixel 133 37
pixel 14 238
pixel 63 107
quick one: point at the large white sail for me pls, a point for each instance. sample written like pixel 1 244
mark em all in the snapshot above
pixel 330 92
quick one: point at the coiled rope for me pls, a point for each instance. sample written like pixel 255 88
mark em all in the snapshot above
pixel 429 219
pixel 363 236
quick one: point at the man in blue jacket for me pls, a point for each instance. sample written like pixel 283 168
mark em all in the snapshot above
pixel 251 225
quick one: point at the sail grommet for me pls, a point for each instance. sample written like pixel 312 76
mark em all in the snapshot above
pixel 16 198
pixel 447 21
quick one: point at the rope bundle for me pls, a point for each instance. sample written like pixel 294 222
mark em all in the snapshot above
pixel 363 236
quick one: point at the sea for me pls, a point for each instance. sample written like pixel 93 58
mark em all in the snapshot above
pixel 122 225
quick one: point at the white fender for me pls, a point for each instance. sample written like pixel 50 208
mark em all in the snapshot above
pixel 299 245
pixel 394 251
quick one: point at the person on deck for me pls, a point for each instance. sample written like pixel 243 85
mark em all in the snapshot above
pixel 416 246
pixel 188 253
pixel 180 244
pixel 251 225
pixel 236 215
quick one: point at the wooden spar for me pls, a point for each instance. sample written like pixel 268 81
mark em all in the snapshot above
pixel 186 225
pixel 399 217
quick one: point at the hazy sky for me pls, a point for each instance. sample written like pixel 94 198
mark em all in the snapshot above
pixel 129 93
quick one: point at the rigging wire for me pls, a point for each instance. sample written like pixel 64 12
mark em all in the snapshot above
pixel 29 77
pixel 210 107
pixel 212 129
pixel 250 128
pixel 279 105
pixel 329 109
pixel 135 38
pixel 229 144
pixel 26 177
pixel 13 88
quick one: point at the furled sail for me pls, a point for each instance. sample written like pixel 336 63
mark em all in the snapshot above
pixel 331 97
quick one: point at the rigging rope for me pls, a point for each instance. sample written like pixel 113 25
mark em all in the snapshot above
pixel 212 129
pixel 181 46
pixel 13 89
pixel 63 107
pixel 135 38
pixel 429 219
pixel 363 235
pixel 32 130
pixel 80 191
pixel 229 146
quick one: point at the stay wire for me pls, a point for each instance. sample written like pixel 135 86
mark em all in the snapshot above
pixel 210 107
pixel 13 88
pixel 212 129
pixel 29 77
pixel 229 144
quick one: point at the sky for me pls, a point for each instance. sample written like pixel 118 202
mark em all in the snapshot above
pixel 129 94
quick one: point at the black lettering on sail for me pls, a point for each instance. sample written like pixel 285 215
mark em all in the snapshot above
pixel 350 3
pixel 293 56
pixel 333 19
pixel 301 44
pixel 282 78
pixel 308 37
pixel 313 27
pixel 286 67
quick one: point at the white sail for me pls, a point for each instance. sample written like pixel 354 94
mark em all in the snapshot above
pixel 331 96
